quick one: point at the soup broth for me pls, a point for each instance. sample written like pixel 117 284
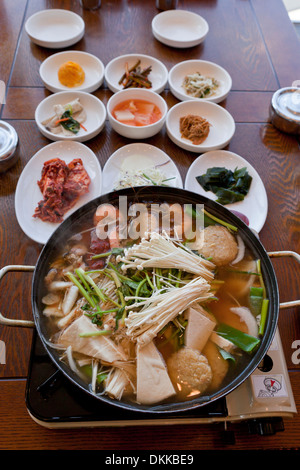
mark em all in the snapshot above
pixel 137 112
pixel 154 318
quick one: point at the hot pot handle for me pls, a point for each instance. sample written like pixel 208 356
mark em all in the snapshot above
pixel 7 321
pixel 281 254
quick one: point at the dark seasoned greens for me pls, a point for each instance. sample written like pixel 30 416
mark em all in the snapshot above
pixel 229 186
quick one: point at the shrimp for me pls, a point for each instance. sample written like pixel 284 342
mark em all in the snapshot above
pixel 109 223
pixel 143 223
pixel 114 238
pixel 175 221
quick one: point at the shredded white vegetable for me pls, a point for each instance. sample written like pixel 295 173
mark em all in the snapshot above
pixel 199 86
pixel 133 177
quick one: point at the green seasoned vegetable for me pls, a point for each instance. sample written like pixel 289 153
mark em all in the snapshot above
pixel 242 340
pixel 69 123
pixel 229 186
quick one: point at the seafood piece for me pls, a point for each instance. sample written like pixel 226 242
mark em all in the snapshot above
pixel 219 245
pixel 189 371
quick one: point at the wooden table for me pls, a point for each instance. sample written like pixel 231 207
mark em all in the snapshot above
pixel 257 44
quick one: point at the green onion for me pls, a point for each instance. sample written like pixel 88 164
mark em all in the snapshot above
pixel 242 340
pixel 80 274
pixel 81 289
pixel 87 278
pixel 237 271
pixel 95 333
pixel 140 286
pixel 231 227
pixel 178 279
pixel 101 377
pixel 102 255
pixel 149 280
pixel 256 300
pixel 258 267
pixel 263 318
pixel 226 355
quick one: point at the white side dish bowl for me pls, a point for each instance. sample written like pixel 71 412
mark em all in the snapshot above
pixel 179 28
pixel 136 132
pixel 94 109
pixel 55 28
pixel 116 68
pixel 221 130
pixel 92 66
pixel 208 69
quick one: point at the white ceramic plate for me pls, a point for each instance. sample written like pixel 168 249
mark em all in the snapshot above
pixel 28 193
pixel 255 204
pixel 92 66
pixel 138 156
pixel 55 28
pixel 116 68
pixel 95 112
pixel 208 69
pixel 221 131
pixel 179 28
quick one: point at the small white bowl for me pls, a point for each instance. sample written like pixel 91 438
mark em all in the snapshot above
pixel 95 115
pixel 92 66
pixel 136 132
pixel 205 68
pixel 55 28
pixel 179 28
pixel 221 131
pixel 116 68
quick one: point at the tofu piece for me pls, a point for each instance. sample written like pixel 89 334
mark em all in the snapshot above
pixel 100 347
pixel 223 343
pixel 198 330
pixel 153 381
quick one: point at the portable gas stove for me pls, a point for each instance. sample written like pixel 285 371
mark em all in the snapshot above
pixel 263 400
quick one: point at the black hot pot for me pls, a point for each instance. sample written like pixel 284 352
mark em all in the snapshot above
pixel 153 194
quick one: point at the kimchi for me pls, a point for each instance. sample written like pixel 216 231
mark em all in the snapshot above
pixel 61 186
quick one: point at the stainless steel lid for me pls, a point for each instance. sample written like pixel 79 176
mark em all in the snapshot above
pixel 286 103
pixel 8 140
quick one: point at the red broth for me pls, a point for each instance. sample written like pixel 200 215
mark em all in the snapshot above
pixel 137 112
